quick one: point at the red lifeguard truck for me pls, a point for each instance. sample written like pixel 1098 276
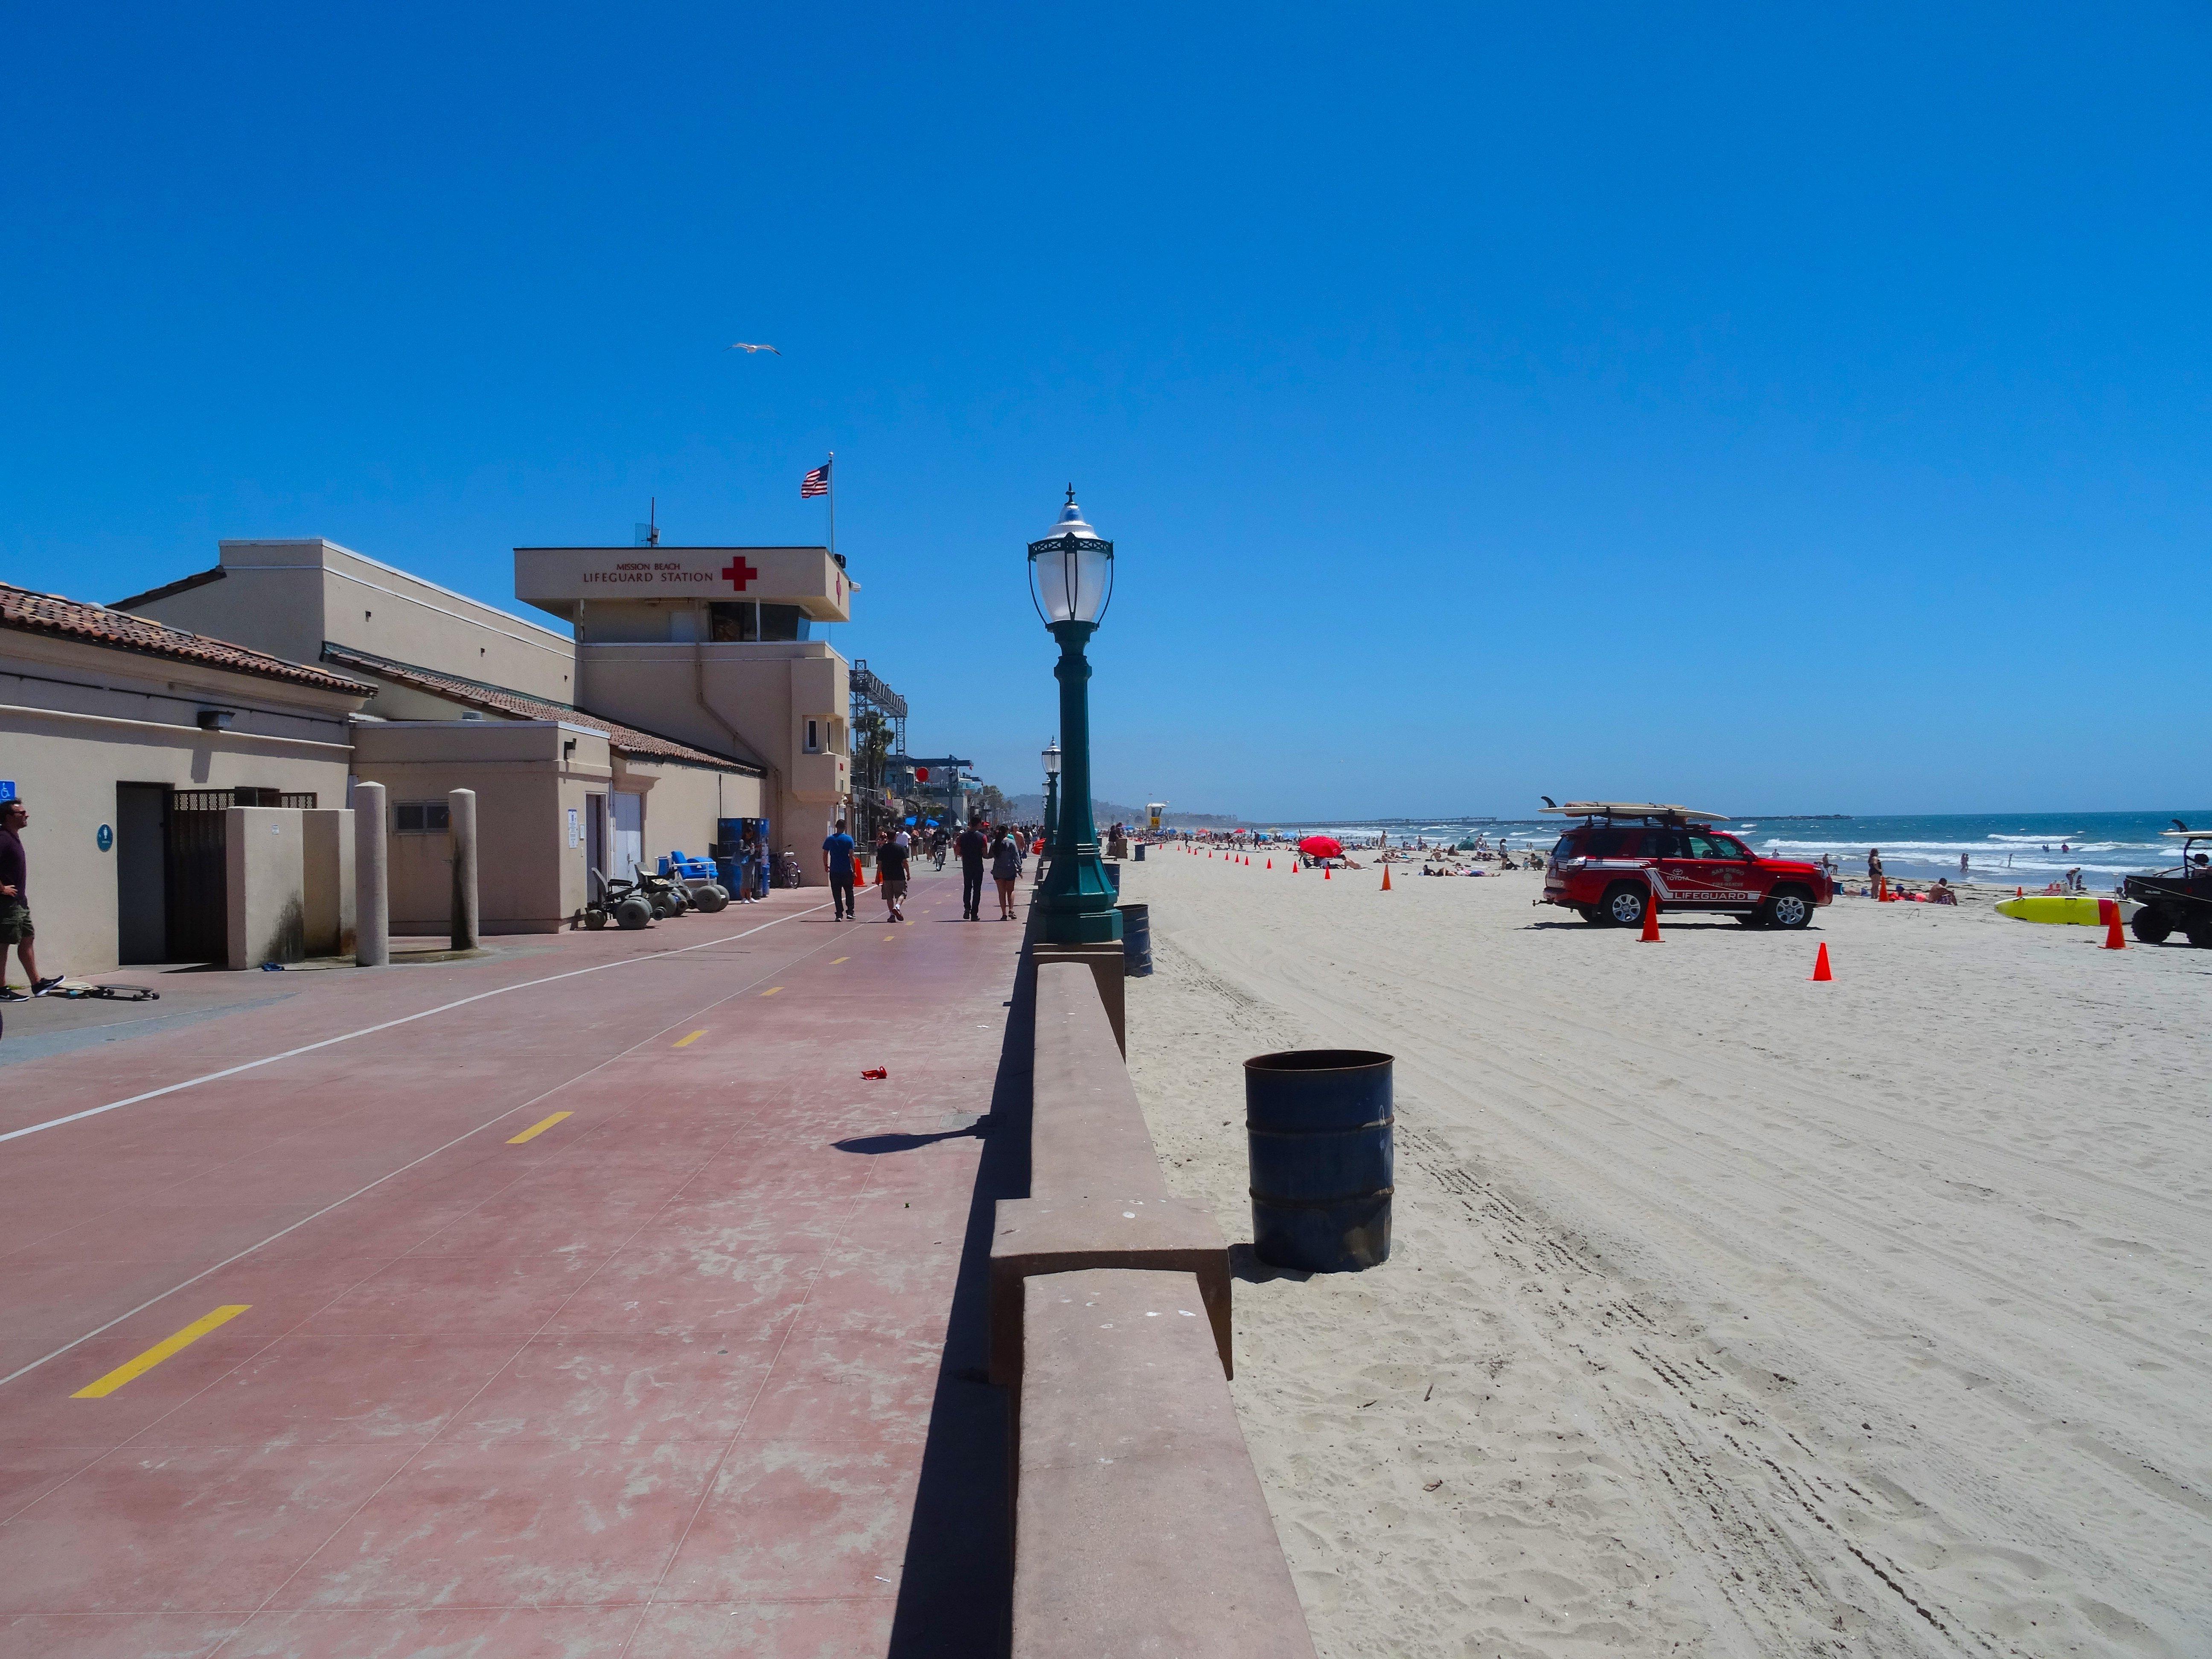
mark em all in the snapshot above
pixel 1628 856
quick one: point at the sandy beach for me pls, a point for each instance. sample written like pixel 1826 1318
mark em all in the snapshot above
pixel 1728 1313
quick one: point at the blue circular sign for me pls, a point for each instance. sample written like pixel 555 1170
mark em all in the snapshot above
pixel 106 838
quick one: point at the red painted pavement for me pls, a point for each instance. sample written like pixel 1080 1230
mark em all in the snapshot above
pixel 659 1380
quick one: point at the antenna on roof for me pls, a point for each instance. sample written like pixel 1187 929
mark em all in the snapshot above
pixel 648 534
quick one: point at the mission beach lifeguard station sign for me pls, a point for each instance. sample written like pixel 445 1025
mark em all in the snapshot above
pixel 559 579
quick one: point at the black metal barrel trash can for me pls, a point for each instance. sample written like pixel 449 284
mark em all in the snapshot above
pixel 1136 939
pixel 1318 1121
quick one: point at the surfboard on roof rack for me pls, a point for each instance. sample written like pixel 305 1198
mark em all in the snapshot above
pixel 1633 809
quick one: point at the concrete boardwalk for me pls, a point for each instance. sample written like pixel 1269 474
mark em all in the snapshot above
pixel 671 1375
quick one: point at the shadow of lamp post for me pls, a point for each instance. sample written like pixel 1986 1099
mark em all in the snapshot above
pixel 1071 581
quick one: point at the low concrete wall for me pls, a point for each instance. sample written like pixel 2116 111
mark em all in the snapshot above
pixel 1139 1526
pixel 1088 1139
pixel 327 881
pixel 266 847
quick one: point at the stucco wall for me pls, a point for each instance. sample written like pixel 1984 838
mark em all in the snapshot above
pixel 287 597
pixel 266 848
pixel 765 692
pixel 77 719
pixel 523 781
pixel 682 802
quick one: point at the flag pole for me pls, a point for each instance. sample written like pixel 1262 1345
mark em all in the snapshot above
pixel 833 505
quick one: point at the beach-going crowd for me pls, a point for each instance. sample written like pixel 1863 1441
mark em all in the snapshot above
pixel 1002 850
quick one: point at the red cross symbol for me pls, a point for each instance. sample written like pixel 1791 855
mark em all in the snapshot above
pixel 738 572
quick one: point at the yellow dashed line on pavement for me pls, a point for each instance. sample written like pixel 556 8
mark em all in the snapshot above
pixel 685 1042
pixel 536 1129
pixel 834 961
pixel 160 1351
pixel 771 990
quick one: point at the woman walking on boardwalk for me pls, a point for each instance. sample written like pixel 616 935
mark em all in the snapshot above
pixel 1006 870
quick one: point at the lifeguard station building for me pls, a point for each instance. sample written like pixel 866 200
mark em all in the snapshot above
pixel 715 646
pixel 693 702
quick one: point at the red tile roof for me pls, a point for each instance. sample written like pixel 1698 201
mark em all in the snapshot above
pixel 95 624
pixel 499 700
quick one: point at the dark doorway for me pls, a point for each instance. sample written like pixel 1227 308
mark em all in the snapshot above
pixel 142 922
pixel 197 875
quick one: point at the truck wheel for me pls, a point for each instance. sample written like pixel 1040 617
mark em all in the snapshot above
pixel 1624 905
pixel 2151 926
pixel 633 913
pixel 2200 934
pixel 1590 912
pixel 1788 909
pixel 712 899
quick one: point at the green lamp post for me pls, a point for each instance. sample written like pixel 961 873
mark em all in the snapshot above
pixel 1071 581
pixel 1051 790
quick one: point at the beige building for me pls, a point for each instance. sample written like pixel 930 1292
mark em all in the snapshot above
pixel 139 751
pixel 470 697
pixel 695 703
pixel 715 646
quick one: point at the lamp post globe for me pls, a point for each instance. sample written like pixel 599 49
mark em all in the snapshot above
pixel 1071 583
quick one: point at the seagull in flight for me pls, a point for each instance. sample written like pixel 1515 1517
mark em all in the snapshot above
pixel 742 346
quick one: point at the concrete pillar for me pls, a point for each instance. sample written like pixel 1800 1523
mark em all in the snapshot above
pixel 461 818
pixel 371 881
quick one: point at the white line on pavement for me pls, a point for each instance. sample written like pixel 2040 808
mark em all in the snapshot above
pixel 404 1019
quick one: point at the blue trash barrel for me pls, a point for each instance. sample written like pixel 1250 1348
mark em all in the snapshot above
pixel 1136 939
pixel 1113 876
pixel 1140 852
pixel 1318 1123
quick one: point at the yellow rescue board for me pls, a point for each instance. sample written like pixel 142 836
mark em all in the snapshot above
pixel 2077 909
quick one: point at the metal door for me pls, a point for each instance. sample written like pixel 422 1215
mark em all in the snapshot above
pixel 630 834
pixel 197 875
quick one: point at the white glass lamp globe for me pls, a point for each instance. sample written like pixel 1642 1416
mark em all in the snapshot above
pixel 1071 569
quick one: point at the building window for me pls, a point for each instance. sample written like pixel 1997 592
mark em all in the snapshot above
pixel 814 736
pixel 422 817
pixel 746 622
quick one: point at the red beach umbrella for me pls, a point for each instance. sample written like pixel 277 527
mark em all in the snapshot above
pixel 1322 846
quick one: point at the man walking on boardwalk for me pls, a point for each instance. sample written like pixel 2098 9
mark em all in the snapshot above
pixel 15 904
pixel 891 858
pixel 972 847
pixel 837 860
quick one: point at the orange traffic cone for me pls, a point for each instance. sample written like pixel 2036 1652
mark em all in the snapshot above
pixel 2113 939
pixel 1324 873
pixel 1821 964
pixel 1651 922
pixel 2020 892
pixel 1271 864
pixel 1386 878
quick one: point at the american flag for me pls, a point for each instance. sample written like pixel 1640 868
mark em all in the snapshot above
pixel 815 483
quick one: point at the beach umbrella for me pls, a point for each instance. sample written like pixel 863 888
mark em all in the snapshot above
pixel 1322 846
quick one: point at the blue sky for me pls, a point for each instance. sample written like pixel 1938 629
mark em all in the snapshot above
pixel 1766 408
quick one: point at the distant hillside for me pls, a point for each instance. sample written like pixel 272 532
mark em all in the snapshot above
pixel 1030 807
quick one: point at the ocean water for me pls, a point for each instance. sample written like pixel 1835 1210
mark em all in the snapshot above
pixel 2027 849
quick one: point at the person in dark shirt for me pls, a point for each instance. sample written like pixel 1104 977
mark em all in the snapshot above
pixel 837 860
pixel 891 865
pixel 15 905
pixel 972 847
pixel 1006 870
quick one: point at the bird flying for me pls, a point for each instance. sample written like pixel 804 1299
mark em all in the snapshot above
pixel 742 346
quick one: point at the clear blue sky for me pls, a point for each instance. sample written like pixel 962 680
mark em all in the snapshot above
pixel 1770 412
